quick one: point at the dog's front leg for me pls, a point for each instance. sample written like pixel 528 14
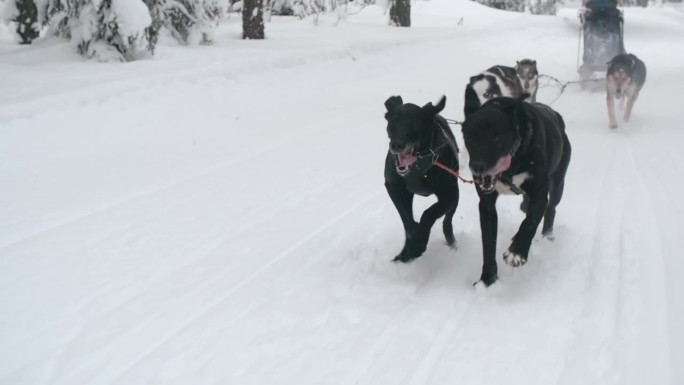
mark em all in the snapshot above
pixel 520 246
pixel 403 201
pixel 610 101
pixel 631 98
pixel 419 240
pixel 489 227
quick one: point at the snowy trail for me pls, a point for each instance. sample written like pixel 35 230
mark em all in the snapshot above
pixel 237 230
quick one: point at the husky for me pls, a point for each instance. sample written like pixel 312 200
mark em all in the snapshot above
pixel 625 77
pixel 528 76
pixel 495 82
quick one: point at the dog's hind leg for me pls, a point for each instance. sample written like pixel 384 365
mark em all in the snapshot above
pixel 556 192
pixel 447 223
pixel 448 227
pixel 555 195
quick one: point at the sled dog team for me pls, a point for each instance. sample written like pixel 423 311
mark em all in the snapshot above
pixel 515 145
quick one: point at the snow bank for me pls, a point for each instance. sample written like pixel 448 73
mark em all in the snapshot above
pixel 132 16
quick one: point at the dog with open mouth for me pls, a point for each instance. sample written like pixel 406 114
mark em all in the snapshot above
pixel 521 148
pixel 419 137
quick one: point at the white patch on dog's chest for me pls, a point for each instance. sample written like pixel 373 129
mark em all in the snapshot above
pixel 517 180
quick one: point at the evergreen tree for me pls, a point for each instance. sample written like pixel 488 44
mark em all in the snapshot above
pixel 185 19
pixel 106 30
pixel 28 27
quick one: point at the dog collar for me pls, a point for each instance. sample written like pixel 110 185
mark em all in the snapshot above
pixel 508 181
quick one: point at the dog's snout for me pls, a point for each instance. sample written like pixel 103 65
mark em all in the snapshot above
pixel 478 167
pixel 396 147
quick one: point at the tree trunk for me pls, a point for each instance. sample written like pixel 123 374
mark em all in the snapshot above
pixel 400 13
pixel 253 19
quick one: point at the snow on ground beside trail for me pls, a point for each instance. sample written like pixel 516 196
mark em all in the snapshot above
pixel 217 215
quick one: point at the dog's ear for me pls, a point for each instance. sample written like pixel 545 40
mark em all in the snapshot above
pixel 475 78
pixel 472 102
pixel 534 63
pixel 431 110
pixel 393 102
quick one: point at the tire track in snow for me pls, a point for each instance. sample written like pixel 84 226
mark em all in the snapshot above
pixel 592 355
pixel 304 131
pixel 118 203
pixel 188 197
pixel 425 368
pixel 362 367
pixel 652 354
pixel 111 374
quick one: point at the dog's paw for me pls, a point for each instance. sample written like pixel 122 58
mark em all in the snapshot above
pixel 450 240
pixel 417 243
pixel 548 235
pixel 513 259
pixel 403 258
pixel 485 282
pixel 613 126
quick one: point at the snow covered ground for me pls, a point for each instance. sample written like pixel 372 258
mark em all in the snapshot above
pixel 217 215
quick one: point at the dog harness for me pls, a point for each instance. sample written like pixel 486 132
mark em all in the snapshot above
pixel 427 159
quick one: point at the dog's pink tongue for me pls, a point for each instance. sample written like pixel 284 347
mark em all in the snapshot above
pixel 405 160
pixel 502 165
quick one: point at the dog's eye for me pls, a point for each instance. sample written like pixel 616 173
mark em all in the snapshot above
pixel 487 95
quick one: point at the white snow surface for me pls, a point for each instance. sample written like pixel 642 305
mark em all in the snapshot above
pixel 217 214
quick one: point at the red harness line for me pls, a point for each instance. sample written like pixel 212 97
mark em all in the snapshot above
pixel 452 172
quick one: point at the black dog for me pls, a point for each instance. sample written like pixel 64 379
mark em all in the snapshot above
pixel 418 137
pixel 522 148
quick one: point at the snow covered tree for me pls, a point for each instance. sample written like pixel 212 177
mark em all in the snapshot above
pixel 186 20
pixel 26 18
pixel 253 19
pixel 508 5
pixel 304 8
pixel 400 13
pixel 111 30
pixel 542 7
pixel 106 30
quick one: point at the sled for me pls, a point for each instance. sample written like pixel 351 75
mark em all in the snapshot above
pixel 601 39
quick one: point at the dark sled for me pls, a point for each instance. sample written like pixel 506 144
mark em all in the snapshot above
pixel 601 39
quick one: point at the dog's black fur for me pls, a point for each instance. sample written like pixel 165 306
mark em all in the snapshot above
pixel 534 135
pixel 415 133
